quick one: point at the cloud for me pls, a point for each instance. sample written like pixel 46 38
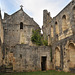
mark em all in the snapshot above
pixel 35 8
pixel 3 7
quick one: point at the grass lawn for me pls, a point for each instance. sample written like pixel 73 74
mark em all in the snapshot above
pixel 51 72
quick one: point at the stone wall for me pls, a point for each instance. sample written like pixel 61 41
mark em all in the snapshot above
pixel 28 58
pixel 63 46
pixel 13 34
pixel 18 50
pixel 63 23
pixel 1 40
pixel 60 33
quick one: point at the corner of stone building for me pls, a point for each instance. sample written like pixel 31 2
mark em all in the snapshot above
pixel 1 40
pixel 5 15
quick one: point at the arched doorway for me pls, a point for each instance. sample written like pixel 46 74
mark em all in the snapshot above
pixel 57 57
pixel 71 53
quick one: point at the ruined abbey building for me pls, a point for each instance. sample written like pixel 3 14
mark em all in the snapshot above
pixel 60 32
pixel 17 51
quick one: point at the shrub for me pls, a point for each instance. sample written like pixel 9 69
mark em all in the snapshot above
pixel 38 39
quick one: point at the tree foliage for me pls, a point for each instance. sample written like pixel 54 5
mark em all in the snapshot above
pixel 38 39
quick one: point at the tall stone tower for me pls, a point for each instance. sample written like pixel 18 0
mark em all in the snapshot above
pixel 46 17
pixel 46 23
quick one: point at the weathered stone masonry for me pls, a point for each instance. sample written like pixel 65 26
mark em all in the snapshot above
pixel 19 53
pixel 60 32
pixel 29 58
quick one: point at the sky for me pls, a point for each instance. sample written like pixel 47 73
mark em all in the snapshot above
pixel 34 8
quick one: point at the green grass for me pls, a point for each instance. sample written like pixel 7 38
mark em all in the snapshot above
pixel 51 72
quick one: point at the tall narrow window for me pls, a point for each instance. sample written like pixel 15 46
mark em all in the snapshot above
pixel 57 28
pixel 21 56
pixel 21 25
pixel 64 23
pixel 52 31
pixel 74 10
pixel 73 14
pixel 49 41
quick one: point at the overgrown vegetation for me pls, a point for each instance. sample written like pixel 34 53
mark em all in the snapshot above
pixel 51 72
pixel 38 39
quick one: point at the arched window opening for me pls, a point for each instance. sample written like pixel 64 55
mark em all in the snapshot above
pixel 71 46
pixel 21 25
pixel 73 13
pixel 52 31
pixel 49 41
pixel 64 17
pixel 57 28
pixel 74 10
pixel 64 23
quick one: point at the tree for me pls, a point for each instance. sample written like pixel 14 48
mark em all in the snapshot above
pixel 38 39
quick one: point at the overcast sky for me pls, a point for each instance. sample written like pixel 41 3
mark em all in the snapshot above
pixel 34 8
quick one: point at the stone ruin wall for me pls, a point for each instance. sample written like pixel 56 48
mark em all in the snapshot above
pixel 13 34
pixel 28 58
pixel 60 32
pixel 1 40
pixel 61 26
pixel 65 54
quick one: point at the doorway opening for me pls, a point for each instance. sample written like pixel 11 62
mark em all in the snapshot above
pixel 43 63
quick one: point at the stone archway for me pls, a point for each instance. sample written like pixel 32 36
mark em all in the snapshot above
pixel 71 54
pixel 57 57
pixel 64 23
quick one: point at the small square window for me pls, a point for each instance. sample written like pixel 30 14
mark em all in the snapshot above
pixel 21 56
